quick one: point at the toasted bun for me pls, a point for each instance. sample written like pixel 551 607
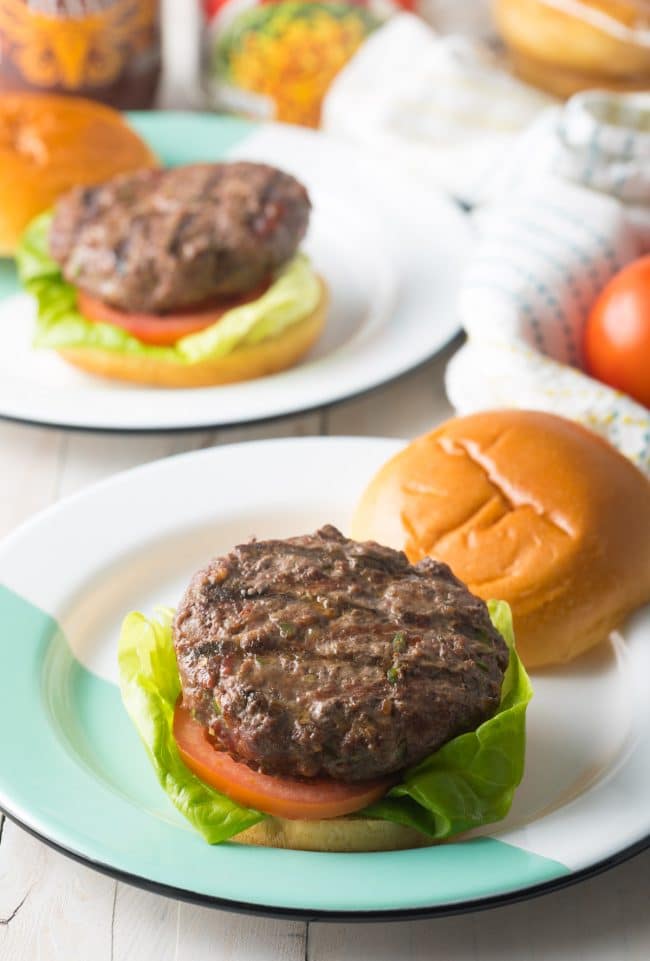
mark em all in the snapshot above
pixel 526 507
pixel 564 82
pixel 49 144
pixel 244 363
pixel 563 52
pixel 340 835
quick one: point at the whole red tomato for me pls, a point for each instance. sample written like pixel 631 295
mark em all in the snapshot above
pixel 617 336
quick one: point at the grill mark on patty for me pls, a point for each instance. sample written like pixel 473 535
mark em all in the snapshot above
pixel 213 181
pixel 122 253
pixel 265 220
pixel 175 242
pixel 159 272
pixel 294 640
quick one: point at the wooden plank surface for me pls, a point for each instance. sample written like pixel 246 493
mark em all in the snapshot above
pixel 603 919
pixel 53 909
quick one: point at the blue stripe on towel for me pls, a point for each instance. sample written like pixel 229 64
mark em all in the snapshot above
pixel 627 153
pixel 476 284
pixel 566 275
pixel 601 239
pixel 593 156
pixel 524 275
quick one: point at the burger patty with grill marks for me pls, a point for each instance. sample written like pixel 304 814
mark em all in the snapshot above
pixel 322 656
pixel 160 240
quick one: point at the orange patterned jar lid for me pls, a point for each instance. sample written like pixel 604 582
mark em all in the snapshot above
pixel 107 49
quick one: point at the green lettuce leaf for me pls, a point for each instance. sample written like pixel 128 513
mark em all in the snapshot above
pixel 150 686
pixel 292 296
pixel 468 782
pixel 471 780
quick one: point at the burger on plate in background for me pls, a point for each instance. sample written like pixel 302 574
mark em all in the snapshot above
pixel 184 277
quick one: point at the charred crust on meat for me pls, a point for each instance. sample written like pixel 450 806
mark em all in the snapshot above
pixel 157 241
pixel 330 657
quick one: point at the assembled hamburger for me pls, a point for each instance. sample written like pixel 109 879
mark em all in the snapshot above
pixel 325 694
pixel 182 277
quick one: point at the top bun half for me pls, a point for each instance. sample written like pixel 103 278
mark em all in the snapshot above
pixel 49 144
pixel 577 46
pixel 529 508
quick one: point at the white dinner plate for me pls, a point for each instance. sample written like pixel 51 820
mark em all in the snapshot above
pixel 390 251
pixel 74 772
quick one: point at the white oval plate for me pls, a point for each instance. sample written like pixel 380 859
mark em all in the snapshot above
pixel 391 253
pixel 79 778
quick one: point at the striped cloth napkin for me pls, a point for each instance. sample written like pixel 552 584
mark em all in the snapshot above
pixel 569 207
pixel 561 207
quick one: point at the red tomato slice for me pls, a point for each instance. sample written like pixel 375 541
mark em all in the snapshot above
pixel 284 797
pixel 162 330
pixel 617 336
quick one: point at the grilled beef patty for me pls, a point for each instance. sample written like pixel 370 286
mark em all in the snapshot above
pixel 319 655
pixel 158 240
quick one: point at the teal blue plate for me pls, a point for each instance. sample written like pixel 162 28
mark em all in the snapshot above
pixel 73 771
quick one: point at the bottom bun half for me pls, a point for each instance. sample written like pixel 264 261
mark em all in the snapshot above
pixel 244 363
pixel 337 835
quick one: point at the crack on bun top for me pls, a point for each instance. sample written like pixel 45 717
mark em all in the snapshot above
pixel 527 507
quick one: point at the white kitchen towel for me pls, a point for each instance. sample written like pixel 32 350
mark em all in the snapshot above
pixel 563 197
pixel 572 207
pixel 597 140
pixel 441 108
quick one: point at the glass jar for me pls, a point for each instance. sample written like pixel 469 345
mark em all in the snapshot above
pixel 108 50
pixel 275 59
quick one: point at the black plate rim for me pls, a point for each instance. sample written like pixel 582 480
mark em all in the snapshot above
pixel 456 339
pixel 307 915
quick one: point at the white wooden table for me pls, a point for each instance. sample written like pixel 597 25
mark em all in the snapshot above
pixel 53 909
